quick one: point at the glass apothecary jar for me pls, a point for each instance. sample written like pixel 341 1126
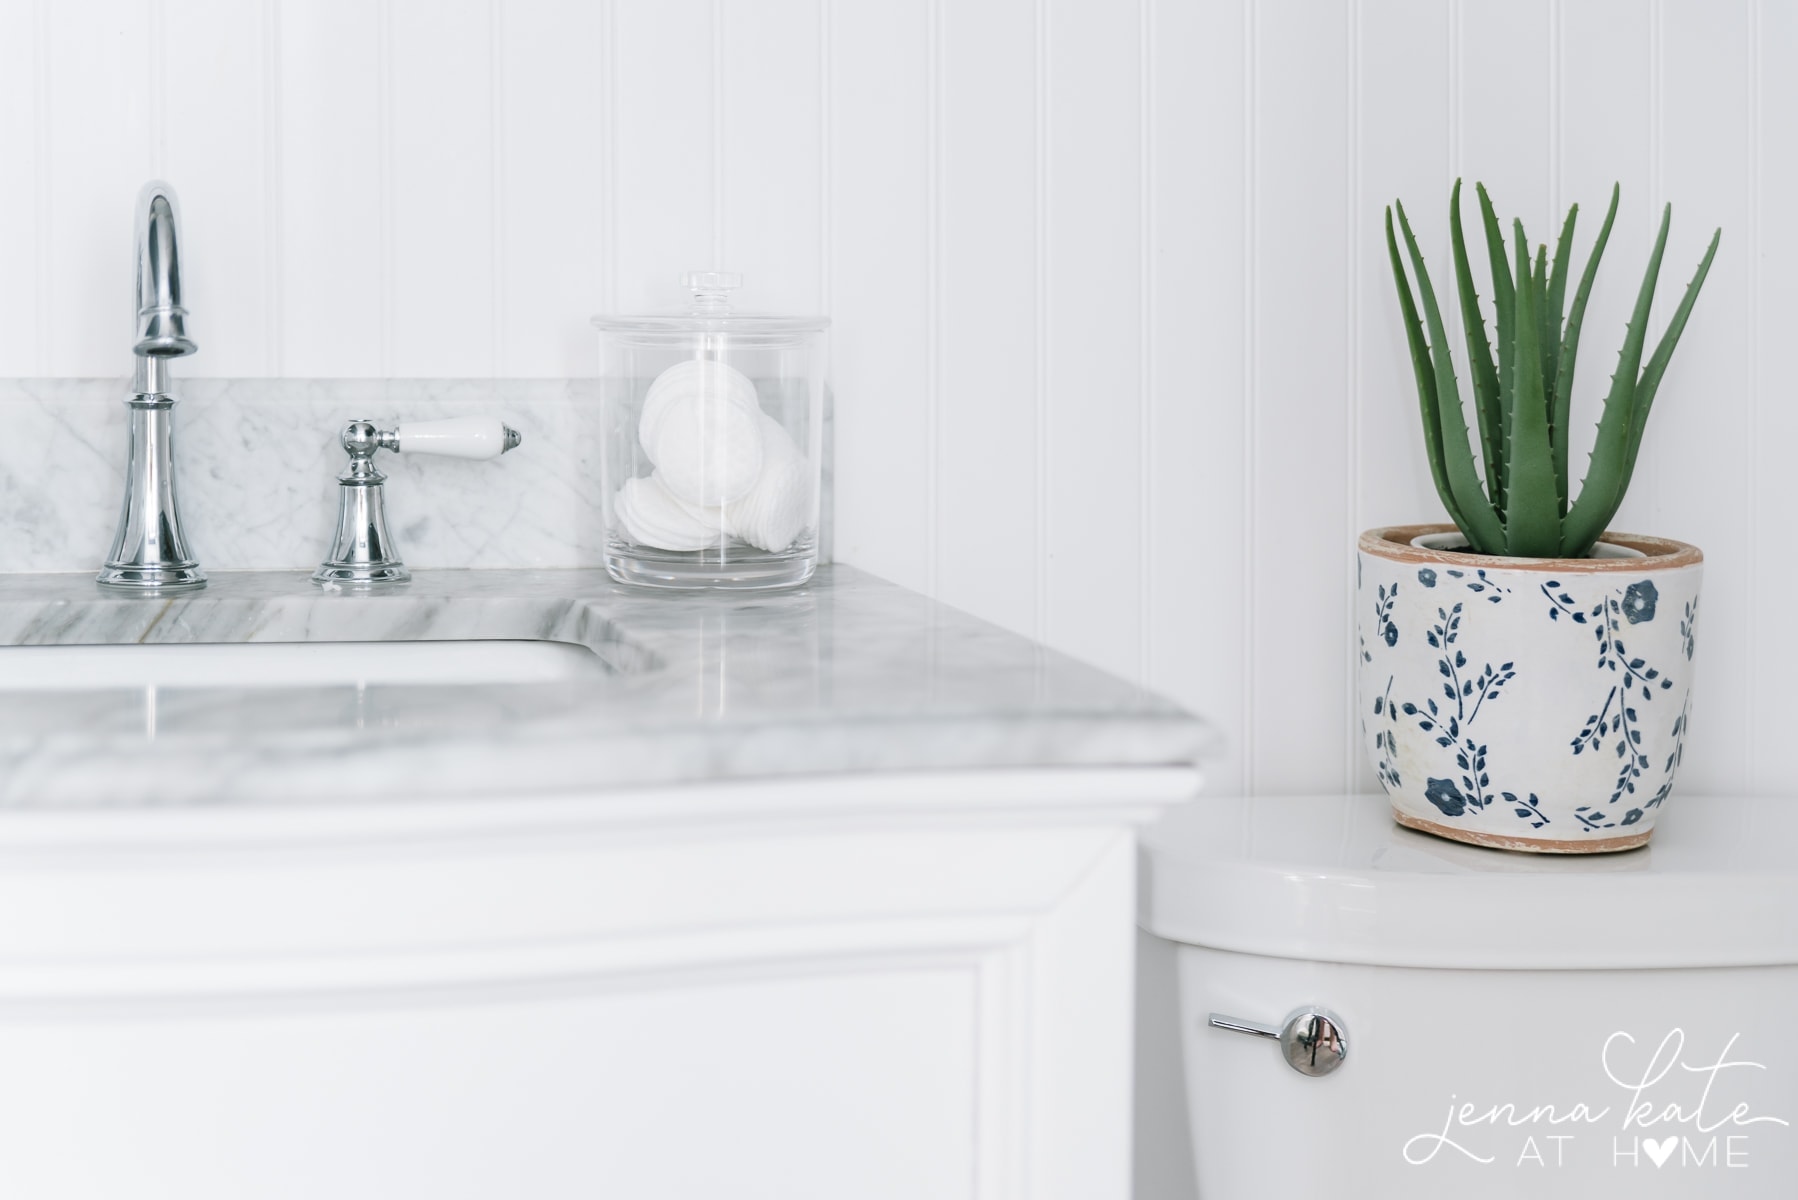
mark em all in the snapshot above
pixel 713 426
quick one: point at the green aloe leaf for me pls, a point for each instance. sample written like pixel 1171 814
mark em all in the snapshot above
pixel 1504 305
pixel 1479 351
pixel 1478 520
pixel 1553 312
pixel 1513 496
pixel 1533 513
pixel 1576 318
pixel 1607 471
pixel 1426 377
pixel 1545 360
pixel 1650 383
pixel 1557 282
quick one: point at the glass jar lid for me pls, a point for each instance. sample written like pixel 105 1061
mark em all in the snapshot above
pixel 709 311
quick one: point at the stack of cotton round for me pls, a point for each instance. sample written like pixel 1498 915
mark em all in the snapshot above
pixel 650 515
pixel 774 512
pixel 701 427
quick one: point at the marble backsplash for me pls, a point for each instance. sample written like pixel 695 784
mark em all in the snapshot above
pixel 257 463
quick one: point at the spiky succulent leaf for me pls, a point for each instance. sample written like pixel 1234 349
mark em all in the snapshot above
pixel 1650 383
pixel 1606 471
pixel 1557 280
pixel 1425 372
pixel 1545 356
pixel 1529 511
pixel 1479 351
pixel 1533 513
pixel 1552 317
pixel 1480 523
pixel 1569 359
pixel 1504 306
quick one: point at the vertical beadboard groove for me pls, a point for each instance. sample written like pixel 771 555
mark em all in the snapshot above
pixel 1040 265
pixel 826 187
pixel 1751 674
pixel 826 271
pixel 384 179
pixel 46 217
pixel 273 208
pixel 1352 365
pixel 1657 93
pixel 1454 52
pixel 496 238
pixel 1145 306
pixel 718 198
pixel 158 64
pixel 608 126
pixel 933 300
pixel 1250 378
pixel 1556 88
pixel 1646 477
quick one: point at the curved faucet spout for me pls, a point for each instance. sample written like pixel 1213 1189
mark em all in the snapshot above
pixel 161 321
pixel 149 552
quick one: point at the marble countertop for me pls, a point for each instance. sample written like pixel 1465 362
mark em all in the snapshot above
pixel 847 674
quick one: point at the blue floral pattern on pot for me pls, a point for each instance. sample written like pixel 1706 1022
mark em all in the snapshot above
pixel 1467 670
pixel 1638 602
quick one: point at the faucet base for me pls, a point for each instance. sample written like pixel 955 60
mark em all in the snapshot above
pixel 355 576
pixel 150 581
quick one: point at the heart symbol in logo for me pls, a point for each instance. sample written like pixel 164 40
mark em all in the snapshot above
pixel 1659 1152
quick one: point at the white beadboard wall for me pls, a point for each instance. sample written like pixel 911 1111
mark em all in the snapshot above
pixel 1116 358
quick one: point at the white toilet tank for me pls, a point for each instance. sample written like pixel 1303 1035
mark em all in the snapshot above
pixel 1516 1025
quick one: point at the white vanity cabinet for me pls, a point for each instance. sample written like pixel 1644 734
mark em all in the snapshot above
pixel 851 987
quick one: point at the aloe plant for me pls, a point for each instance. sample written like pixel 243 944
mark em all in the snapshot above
pixel 1516 501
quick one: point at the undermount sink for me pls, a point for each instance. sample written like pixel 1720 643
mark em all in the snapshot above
pixel 294 664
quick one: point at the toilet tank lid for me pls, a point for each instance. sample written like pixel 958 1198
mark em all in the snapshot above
pixel 1333 878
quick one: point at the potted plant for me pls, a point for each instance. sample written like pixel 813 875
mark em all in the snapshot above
pixel 1526 675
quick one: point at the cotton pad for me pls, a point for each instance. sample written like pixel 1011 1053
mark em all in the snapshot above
pixel 650 516
pixel 775 510
pixel 694 376
pixel 701 428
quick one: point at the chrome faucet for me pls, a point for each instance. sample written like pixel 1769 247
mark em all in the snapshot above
pixel 363 554
pixel 149 552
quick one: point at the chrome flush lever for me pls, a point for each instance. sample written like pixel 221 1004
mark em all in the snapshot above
pixel 362 553
pixel 1312 1040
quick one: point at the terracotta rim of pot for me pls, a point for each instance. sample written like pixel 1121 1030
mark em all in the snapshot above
pixel 1499 841
pixel 1658 554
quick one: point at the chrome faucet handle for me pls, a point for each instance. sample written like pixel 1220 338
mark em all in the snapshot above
pixel 362 553
pixel 1312 1039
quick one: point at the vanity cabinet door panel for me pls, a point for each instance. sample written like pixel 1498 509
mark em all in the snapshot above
pixel 888 986
pixel 791 1086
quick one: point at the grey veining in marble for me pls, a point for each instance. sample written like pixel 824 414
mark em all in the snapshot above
pixel 257 463
pixel 849 673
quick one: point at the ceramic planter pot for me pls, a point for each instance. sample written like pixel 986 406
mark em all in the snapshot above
pixel 1526 703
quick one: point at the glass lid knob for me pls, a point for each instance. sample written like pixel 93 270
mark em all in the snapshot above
pixel 711 289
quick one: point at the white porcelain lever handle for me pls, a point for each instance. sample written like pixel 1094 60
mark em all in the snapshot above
pixel 363 555
pixel 457 437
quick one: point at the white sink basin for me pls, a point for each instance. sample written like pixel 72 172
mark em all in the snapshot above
pixel 293 664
